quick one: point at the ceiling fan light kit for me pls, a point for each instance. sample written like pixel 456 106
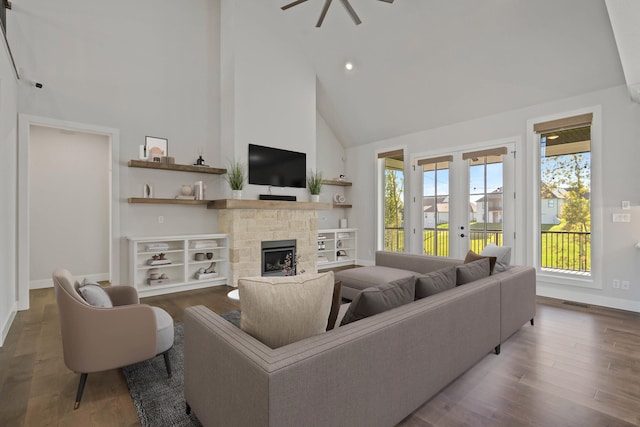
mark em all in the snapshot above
pixel 350 10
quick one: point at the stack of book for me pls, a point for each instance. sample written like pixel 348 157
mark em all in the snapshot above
pixel 158 261
pixel 153 247
pixel 205 244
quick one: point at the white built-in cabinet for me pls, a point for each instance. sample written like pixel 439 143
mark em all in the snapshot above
pixel 336 247
pixel 179 262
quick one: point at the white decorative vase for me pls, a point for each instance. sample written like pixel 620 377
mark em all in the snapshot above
pixel 236 194
pixel 315 198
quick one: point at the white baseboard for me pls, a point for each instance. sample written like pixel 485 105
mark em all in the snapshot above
pixel 6 325
pixel 592 299
pixel 41 284
pixel 48 283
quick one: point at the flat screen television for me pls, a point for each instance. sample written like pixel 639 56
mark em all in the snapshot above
pixel 277 167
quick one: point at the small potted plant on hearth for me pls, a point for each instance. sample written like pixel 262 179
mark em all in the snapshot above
pixel 314 181
pixel 235 178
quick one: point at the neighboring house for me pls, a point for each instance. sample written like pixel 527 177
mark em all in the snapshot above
pixel 491 206
pixel 440 206
pixel 551 201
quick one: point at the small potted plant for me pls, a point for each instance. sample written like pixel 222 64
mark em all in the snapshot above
pixel 236 178
pixel 314 181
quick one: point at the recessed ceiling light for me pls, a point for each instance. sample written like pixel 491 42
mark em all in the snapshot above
pixel 348 66
pixel 553 137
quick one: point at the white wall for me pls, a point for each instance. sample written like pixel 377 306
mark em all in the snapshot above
pixel 118 65
pixel 69 204
pixel 620 181
pixel 8 196
pixel 331 160
pixel 269 93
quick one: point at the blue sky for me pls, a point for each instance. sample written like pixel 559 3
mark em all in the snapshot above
pixel 476 180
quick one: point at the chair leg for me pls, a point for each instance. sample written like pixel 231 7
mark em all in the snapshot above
pixel 531 321
pixel 167 363
pixel 83 381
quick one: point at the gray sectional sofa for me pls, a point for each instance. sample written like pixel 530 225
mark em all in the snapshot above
pixel 373 372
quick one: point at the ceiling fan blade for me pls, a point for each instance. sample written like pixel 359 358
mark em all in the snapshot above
pixel 351 12
pixel 325 8
pixel 295 3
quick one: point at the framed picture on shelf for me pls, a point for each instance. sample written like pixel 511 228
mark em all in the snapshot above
pixel 156 147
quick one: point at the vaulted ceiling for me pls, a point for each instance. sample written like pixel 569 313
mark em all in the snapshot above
pixel 421 64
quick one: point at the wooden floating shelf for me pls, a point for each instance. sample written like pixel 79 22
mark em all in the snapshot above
pixel 267 204
pixel 175 167
pixel 342 205
pixel 336 182
pixel 158 201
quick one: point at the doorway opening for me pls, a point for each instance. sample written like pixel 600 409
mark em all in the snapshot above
pixel 62 196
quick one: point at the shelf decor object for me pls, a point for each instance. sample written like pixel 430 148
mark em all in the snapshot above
pixel 314 182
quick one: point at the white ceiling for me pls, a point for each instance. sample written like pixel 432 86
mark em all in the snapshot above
pixel 422 64
pixel 625 18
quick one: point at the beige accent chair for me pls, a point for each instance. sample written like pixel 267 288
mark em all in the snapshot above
pixel 97 339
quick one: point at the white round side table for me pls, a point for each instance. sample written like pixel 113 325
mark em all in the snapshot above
pixel 234 295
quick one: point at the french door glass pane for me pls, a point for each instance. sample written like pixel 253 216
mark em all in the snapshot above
pixel 435 207
pixel 486 202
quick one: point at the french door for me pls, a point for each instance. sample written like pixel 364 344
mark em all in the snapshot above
pixel 467 200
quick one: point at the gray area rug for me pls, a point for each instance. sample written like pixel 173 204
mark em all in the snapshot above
pixel 160 400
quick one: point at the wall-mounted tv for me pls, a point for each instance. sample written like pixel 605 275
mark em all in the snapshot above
pixel 277 167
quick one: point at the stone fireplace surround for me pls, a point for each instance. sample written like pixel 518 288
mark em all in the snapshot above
pixel 263 221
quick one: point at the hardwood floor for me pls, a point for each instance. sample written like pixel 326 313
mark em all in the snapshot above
pixel 576 367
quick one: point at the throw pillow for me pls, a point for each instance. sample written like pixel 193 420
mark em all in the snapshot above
pixel 472 256
pixel 470 272
pixel 94 295
pixel 502 253
pixel 435 282
pixel 281 310
pixel 336 301
pixel 381 298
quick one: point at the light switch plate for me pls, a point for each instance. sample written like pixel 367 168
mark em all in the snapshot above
pixel 626 204
pixel 619 217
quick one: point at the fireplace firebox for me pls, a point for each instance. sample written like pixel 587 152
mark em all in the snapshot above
pixel 274 256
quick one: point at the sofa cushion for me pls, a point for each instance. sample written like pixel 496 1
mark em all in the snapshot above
pixel 419 263
pixel 380 298
pixel 472 256
pixel 472 271
pixel 94 295
pixel 502 253
pixel 281 310
pixel 356 279
pixel 435 282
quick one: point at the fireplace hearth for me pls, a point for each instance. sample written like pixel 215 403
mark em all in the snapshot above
pixel 274 254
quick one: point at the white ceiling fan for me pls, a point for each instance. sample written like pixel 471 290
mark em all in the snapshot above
pixel 325 8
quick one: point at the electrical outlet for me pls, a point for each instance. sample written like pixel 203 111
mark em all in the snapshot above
pixel 615 284
pixel 161 219
pixel 625 285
